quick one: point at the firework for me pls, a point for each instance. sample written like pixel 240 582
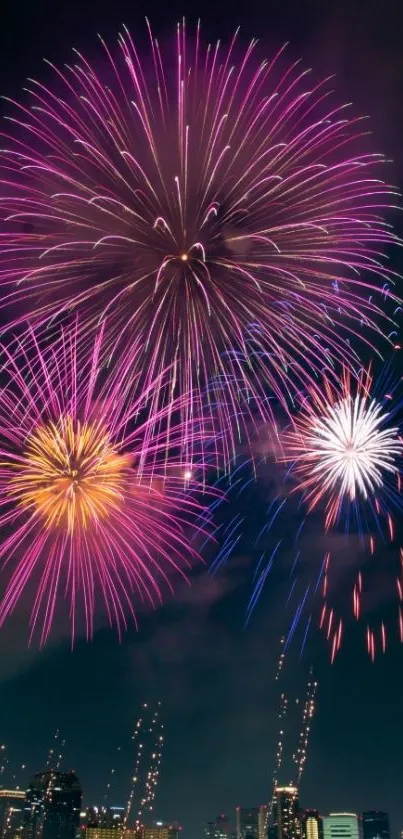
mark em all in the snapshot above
pixel 93 503
pixel 345 446
pixel 148 736
pixel 326 579
pixel 224 210
pixel 345 450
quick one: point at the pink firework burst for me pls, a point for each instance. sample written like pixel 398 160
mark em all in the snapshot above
pixel 211 203
pixel 95 501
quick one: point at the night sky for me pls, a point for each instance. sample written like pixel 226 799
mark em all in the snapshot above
pixel 216 678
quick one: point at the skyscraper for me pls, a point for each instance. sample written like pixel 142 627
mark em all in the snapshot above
pixel 263 821
pixel 375 825
pixel 52 806
pixel 286 822
pixel 312 824
pixel 341 826
pixel 247 822
pixel 11 812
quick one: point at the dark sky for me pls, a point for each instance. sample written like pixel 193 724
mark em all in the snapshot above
pixel 216 679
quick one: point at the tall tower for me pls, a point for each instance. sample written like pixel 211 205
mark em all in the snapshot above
pixel 148 740
pixel 52 806
pixel 263 816
pixel 286 818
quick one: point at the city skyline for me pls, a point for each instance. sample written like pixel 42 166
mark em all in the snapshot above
pixel 281 817
pixel 52 806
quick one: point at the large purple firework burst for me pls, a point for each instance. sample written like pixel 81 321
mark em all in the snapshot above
pixel 215 205
pixel 95 497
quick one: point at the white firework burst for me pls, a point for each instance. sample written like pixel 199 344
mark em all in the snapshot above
pixel 344 445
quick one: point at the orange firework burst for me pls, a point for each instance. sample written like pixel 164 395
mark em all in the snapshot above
pixel 95 497
pixel 71 474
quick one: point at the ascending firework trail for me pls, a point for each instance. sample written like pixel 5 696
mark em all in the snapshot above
pixel 148 741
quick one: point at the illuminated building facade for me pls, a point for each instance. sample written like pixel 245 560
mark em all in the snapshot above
pixel 341 826
pixel 105 818
pixel 110 833
pixel 52 806
pixel 263 821
pixel 375 825
pixel 159 830
pixel 312 824
pixel 11 812
pixel 286 823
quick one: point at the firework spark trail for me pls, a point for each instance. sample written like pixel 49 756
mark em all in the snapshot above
pixel 93 502
pixel 238 227
pixel 321 592
pixel 148 741
pixel 308 712
pixel 56 751
pixel 286 710
pixel 282 714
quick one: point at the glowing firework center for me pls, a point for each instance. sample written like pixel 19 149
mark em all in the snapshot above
pixel 71 474
pixel 346 449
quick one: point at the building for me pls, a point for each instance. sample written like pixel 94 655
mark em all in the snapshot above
pixel 286 823
pixel 375 825
pixel 115 829
pixel 159 830
pixel 251 823
pixel 247 822
pixel 218 829
pixel 312 824
pixel 223 827
pixel 111 833
pixel 89 818
pixel 103 817
pixel 341 826
pixel 11 812
pixel 263 821
pixel 52 806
